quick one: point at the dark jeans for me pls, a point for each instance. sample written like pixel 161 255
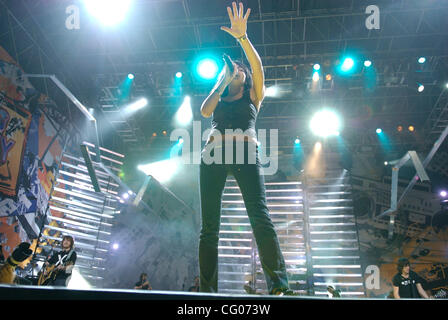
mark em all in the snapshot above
pixel 251 184
pixel 59 282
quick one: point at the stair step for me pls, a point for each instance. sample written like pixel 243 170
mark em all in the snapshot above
pixel 233 247
pixel 323 224
pixel 235 273
pixel 337 216
pixel 335 257
pixel 331 208
pixel 340 284
pixel 331 232
pixel 334 240
pixel 329 186
pixel 329 193
pixel 336 266
pixel 330 200
pixel 341 275
pixel 330 249
pixel 235 240
pixel 227 264
pixel 238 256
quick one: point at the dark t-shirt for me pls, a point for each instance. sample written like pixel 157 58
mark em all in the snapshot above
pixel 193 289
pixel 407 287
pixel 63 258
pixel 145 287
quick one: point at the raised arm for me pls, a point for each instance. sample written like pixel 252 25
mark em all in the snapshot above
pixel 238 31
pixel 210 103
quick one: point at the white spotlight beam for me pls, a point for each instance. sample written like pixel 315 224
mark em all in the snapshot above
pixel 184 115
pixel 108 12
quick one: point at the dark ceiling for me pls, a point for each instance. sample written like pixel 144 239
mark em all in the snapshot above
pixel 161 37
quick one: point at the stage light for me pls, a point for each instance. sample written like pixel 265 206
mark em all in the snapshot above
pixel 125 196
pixel 207 69
pixel 154 134
pixel 130 76
pixel 347 65
pixel 108 12
pixel 271 91
pixel 137 105
pixel 297 141
pixel 115 246
pixel 443 193
pixel 325 123
pixel 446 85
pixel 130 192
pixel 184 115
pixel 328 77
pixel 421 88
pixel 421 60
pixel 367 63
pixel 400 128
pixel 121 201
pixel 164 132
pixel 180 141
pixel 316 67
pixel 411 128
pixel 316 76
pixel 77 281
pixel 163 171
pixel 386 163
pixel 178 75
pixel 379 130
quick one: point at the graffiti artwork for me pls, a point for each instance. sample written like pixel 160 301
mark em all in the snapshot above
pixel 14 125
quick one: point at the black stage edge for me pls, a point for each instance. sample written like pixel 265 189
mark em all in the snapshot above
pixel 182 305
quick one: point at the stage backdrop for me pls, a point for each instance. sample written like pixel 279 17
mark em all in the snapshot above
pixel 421 226
pixel 33 132
pixel 161 240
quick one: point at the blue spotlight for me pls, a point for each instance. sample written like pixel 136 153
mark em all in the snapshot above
pixel 367 63
pixel 180 141
pixel 207 69
pixel 178 74
pixel 130 76
pixel 379 130
pixel 421 60
pixel 347 64
pixel 316 67
pixel 297 141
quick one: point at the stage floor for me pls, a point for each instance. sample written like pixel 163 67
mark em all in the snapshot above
pixel 20 292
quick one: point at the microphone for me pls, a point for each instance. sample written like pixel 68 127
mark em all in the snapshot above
pixel 228 62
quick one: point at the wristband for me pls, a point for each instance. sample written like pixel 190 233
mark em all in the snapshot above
pixel 242 38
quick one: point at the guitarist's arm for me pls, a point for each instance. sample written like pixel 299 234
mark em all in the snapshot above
pixel 422 291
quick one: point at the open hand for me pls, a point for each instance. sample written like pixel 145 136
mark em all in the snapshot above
pixel 238 21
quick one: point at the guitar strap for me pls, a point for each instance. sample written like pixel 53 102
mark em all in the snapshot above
pixel 66 259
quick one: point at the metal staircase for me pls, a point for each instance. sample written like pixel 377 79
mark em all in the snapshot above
pixel 317 231
pixel 238 255
pixel 333 236
pixel 76 209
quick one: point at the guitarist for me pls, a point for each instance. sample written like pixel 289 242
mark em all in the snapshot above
pixel 407 283
pixel 58 269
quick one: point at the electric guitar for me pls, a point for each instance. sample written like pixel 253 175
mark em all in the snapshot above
pixel 48 274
